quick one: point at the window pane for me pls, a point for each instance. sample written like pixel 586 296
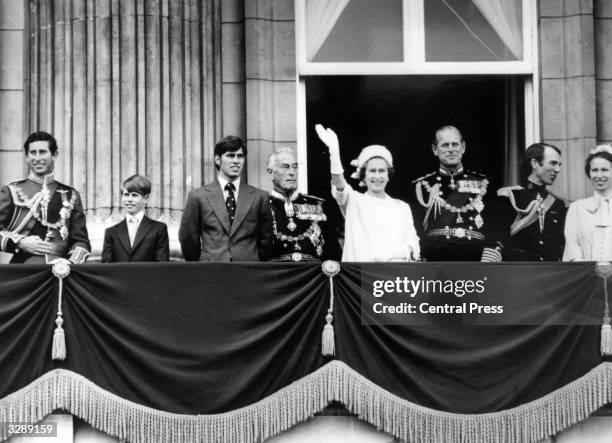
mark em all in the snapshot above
pixel 473 30
pixel 354 31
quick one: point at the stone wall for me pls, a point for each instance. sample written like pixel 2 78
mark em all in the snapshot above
pixel 567 69
pixel 270 82
pixel 12 165
pixel 146 87
pixel 603 69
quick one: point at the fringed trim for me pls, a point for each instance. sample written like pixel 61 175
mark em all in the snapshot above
pixel 531 422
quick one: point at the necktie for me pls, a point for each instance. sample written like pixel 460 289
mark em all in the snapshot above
pixel 230 201
pixel 132 228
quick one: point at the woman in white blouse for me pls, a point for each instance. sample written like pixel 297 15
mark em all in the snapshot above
pixel 377 227
pixel 588 226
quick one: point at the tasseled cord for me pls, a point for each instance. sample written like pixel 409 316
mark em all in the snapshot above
pixel 330 268
pixel 604 270
pixel 606 330
pixel 61 269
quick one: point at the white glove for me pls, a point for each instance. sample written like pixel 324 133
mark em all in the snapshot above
pixel 329 137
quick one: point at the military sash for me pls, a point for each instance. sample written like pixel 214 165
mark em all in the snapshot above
pixel 535 211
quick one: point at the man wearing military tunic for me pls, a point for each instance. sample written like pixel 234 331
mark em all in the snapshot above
pixel 452 204
pixel 529 219
pixel 300 228
pixel 40 218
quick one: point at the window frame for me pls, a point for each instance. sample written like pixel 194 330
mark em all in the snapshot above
pixel 414 43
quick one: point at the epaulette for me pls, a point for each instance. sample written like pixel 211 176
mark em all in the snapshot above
pixel 314 197
pixel 424 177
pixel 505 191
pixel 69 188
pixel 14 182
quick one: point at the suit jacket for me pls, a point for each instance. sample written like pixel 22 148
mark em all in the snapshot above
pixel 205 233
pixel 150 243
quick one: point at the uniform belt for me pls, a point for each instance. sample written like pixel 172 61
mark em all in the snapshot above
pixel 296 256
pixel 449 232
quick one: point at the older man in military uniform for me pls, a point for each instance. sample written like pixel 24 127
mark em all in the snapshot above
pixel 40 218
pixel 529 219
pixel 300 228
pixel 452 201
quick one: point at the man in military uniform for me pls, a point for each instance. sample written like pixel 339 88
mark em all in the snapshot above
pixel 300 228
pixel 529 220
pixel 40 218
pixel 451 198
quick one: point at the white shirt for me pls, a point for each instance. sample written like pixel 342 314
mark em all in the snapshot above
pixel 223 182
pixel 133 222
pixel 376 229
pixel 588 230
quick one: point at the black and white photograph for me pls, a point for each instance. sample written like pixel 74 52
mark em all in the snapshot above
pixel 305 221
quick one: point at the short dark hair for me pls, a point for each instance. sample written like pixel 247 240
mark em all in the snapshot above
pixel 534 152
pixel 446 128
pixel 362 171
pixel 41 136
pixel 229 143
pixel 601 154
pixel 137 183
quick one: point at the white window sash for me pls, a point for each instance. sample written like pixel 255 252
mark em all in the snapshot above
pixel 414 62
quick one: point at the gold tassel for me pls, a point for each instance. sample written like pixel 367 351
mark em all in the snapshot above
pixel 606 337
pixel 61 269
pixel 328 348
pixel 604 270
pixel 59 341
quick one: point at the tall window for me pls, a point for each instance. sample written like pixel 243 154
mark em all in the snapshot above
pixel 392 71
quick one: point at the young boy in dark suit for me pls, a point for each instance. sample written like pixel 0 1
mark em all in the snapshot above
pixel 136 237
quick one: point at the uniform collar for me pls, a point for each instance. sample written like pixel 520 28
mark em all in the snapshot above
pixel 535 187
pixel 445 171
pixel 293 197
pixel 44 180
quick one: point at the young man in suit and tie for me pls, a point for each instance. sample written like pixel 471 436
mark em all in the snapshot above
pixel 227 220
pixel 136 237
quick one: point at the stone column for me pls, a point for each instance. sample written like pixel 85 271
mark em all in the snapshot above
pixel 127 86
pixel 603 68
pixel 568 87
pixel 270 82
pixel 234 82
pixel 12 34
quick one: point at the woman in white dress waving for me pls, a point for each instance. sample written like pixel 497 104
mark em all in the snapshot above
pixel 588 226
pixel 378 228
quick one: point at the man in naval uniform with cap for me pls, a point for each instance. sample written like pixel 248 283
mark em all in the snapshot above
pixel 300 228
pixel 452 204
pixel 529 219
pixel 41 219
